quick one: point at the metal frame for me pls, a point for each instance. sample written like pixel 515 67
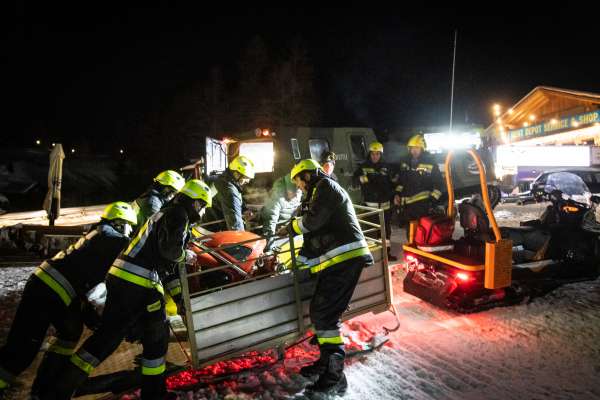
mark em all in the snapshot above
pixel 270 310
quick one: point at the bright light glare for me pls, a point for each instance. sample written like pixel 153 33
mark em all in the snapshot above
pixel 439 142
pixel 260 153
pixel 510 156
pixel 463 276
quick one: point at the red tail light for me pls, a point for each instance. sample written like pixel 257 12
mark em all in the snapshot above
pixel 463 276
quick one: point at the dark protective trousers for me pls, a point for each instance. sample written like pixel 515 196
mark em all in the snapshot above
pixel 126 304
pixel 39 308
pixel 335 286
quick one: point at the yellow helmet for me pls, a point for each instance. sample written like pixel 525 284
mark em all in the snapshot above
pixel 120 210
pixel 170 178
pixel 197 190
pixel 417 141
pixel 376 146
pixel 305 165
pixel 243 165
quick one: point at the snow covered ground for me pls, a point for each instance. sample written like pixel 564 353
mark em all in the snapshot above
pixel 546 349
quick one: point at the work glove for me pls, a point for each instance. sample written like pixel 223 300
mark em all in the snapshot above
pixel 190 257
pixel 248 215
pixel 399 201
pixel 282 231
pixel 363 179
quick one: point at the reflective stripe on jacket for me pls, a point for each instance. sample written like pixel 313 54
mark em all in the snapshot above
pixel 331 230
pixel 418 180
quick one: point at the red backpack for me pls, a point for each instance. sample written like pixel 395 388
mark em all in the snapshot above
pixel 434 230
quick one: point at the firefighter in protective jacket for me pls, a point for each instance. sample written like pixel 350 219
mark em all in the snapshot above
pixel 418 182
pixel 136 294
pixel 228 203
pixel 336 251
pixel 164 187
pixel 375 179
pixel 54 295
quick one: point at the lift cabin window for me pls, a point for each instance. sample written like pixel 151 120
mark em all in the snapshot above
pixel 295 149
pixel 261 154
pixel 317 148
pixel 359 149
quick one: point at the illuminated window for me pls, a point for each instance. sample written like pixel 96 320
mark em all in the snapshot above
pixel 295 149
pixel 261 154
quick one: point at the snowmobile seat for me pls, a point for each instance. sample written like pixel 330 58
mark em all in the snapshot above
pixel 529 242
pixel 474 222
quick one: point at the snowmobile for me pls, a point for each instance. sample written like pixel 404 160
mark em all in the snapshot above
pixel 491 266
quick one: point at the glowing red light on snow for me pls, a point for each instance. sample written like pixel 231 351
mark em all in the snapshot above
pixel 463 276
pixel 409 258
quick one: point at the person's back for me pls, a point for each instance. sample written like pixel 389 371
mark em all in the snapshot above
pixel 164 187
pixel 284 199
pixel 85 263
pixel 228 203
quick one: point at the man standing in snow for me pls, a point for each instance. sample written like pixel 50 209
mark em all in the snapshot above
pixel 336 251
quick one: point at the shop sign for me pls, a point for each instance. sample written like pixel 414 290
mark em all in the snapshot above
pixel 548 127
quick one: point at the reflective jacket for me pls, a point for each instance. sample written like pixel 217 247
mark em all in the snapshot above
pixel 145 206
pixel 158 247
pixel 418 180
pixel 328 222
pixel 227 204
pixel 76 270
pixel 278 208
pixel 378 190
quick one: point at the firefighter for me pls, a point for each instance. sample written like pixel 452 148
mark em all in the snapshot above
pixel 281 205
pixel 54 295
pixel 336 251
pixel 164 187
pixel 328 164
pixel 136 295
pixel 419 183
pixel 375 180
pixel 228 203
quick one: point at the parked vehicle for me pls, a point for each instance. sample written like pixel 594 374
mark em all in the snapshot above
pixel 275 152
pixel 491 266
pixel 589 175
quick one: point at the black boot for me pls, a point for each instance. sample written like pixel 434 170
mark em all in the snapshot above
pixel 67 382
pixel 390 256
pixel 318 367
pixel 333 380
pixel 51 366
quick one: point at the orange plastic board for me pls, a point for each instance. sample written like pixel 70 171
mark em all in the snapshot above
pixel 498 264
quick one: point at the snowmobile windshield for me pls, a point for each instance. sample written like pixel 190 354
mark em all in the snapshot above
pixel 571 186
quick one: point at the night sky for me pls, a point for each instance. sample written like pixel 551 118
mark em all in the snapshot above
pixel 71 72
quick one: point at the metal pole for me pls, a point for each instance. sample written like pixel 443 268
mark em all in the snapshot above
pixel 189 317
pixel 299 310
pixel 452 89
